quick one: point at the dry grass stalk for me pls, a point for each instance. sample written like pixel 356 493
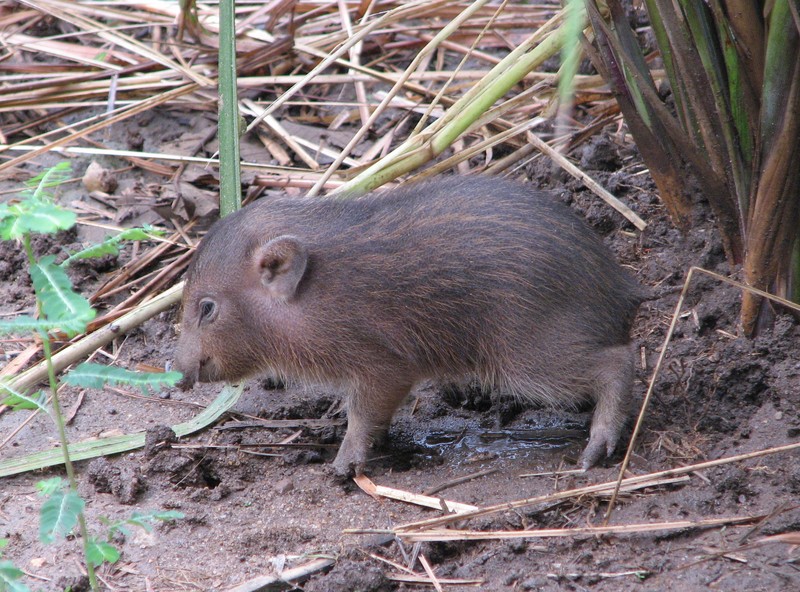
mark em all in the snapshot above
pixel 459 481
pixel 429 47
pixel 142 68
pixel 420 580
pixel 287 576
pixel 409 576
pixel 135 65
pixel 437 503
pixel 447 534
pixel 428 570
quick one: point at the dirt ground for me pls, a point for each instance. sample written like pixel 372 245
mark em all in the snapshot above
pixel 252 510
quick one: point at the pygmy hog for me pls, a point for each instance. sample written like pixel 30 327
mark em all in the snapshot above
pixel 450 280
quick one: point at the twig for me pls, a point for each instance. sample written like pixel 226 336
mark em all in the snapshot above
pixel 565 164
pixel 458 481
pixel 448 534
pixel 427 567
pixel 290 576
pixel 436 503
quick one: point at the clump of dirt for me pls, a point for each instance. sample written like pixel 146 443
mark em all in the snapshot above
pixel 123 482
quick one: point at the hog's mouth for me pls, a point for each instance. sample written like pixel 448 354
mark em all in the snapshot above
pixel 206 370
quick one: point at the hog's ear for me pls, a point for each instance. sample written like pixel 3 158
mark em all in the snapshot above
pixel 281 263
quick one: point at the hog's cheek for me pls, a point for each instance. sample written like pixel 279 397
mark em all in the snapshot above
pixel 224 359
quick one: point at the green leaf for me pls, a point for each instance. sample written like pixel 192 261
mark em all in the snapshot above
pixel 107 247
pixel 9 225
pixel 114 527
pixel 6 211
pixel 94 447
pixel 54 176
pixel 59 302
pixel 19 401
pixel 97 376
pixel 167 515
pixel 9 578
pixel 32 216
pixel 59 515
pixel 98 552
pixel 3 543
pixel 37 212
pixel 146 232
pixel 25 325
pixel 48 487
pixel 110 246
pixel 46 218
pixel 143 521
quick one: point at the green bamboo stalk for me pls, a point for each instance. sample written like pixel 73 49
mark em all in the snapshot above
pixel 443 34
pixel 230 184
pixel 574 24
pixel 418 150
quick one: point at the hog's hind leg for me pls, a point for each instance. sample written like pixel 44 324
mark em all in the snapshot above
pixel 612 372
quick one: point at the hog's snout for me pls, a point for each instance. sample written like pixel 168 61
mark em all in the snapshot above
pixel 188 361
pixel 187 382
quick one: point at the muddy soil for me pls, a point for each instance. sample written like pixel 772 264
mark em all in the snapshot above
pixel 253 509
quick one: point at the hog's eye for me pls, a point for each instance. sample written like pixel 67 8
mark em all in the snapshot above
pixel 208 310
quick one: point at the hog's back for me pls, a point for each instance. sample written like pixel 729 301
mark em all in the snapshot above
pixel 448 279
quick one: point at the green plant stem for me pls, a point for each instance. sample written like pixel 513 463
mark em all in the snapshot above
pixel 230 196
pixel 26 242
pixel 62 436
pixel 58 418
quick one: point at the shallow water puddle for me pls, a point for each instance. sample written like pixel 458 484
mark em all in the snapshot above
pixel 472 441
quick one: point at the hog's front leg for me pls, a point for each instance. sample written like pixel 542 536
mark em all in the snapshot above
pixel 370 408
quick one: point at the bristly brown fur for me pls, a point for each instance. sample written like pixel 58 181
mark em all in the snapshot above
pixel 451 279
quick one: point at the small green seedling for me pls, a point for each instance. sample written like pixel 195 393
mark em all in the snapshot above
pixel 60 308
pixel 60 513
pixel 9 574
